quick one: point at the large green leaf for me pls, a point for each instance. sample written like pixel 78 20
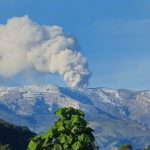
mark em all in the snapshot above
pixel 60 129
pixel 57 147
pixel 34 145
pixel 65 139
pixel 76 145
pixel 37 138
pixel 66 146
pixel 48 134
pixel 47 142
pixel 74 130
pixel 82 137
pixel 59 112
pixel 78 120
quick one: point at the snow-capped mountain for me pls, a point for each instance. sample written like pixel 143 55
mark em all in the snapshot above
pixel 118 116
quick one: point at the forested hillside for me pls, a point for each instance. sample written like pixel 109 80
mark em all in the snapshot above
pixel 14 137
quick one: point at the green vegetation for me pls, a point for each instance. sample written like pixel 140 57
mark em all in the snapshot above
pixel 14 137
pixel 5 147
pixel 148 147
pixel 69 132
pixel 125 147
pixel 129 147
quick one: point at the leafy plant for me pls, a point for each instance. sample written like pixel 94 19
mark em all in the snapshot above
pixel 69 132
pixel 148 147
pixel 125 147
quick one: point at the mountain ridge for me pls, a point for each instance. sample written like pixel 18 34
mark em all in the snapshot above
pixel 104 108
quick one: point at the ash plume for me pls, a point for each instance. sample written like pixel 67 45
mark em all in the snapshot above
pixel 26 45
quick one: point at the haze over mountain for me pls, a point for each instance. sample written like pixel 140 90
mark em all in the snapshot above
pixel 117 116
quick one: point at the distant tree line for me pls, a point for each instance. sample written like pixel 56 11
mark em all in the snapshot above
pixel 129 147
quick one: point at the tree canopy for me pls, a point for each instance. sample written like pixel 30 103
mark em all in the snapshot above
pixel 69 132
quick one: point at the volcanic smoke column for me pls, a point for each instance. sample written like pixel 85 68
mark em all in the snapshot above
pixel 26 45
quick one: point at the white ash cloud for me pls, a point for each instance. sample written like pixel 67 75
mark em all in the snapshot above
pixel 26 45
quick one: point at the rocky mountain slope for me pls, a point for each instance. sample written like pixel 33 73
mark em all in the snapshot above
pixel 118 116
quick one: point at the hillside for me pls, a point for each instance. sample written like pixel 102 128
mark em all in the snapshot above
pixel 117 115
pixel 14 137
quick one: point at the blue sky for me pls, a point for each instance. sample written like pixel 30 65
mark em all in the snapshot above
pixel 114 36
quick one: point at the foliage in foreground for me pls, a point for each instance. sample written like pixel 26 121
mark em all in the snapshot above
pixel 69 132
pixel 125 147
